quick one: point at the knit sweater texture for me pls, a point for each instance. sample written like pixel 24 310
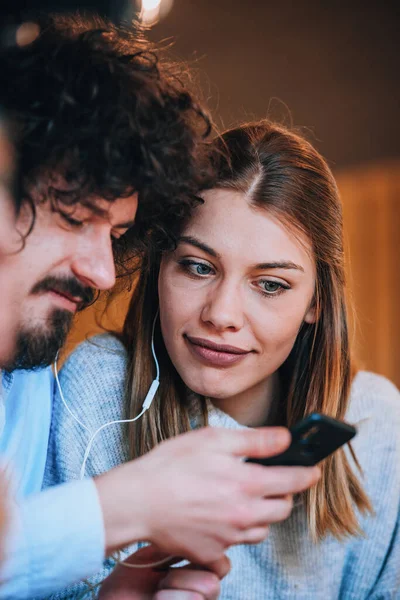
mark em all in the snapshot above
pixel 288 564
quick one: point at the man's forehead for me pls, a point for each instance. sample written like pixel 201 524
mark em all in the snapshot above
pixel 72 197
pixel 78 200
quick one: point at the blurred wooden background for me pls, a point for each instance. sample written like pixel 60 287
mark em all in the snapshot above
pixel 371 199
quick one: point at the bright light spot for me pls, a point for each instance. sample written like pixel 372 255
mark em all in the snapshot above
pixel 27 33
pixel 154 10
pixel 150 4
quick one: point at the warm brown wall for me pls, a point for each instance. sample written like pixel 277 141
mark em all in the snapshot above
pixel 371 198
pixel 334 65
pixel 102 315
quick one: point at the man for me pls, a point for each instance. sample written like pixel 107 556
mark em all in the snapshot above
pixel 7 319
pixel 7 221
pixel 108 149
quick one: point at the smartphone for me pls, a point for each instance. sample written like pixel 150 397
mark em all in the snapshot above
pixel 313 439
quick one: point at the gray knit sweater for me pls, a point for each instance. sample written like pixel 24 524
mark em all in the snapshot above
pixel 288 564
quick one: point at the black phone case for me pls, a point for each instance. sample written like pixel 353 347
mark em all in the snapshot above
pixel 313 439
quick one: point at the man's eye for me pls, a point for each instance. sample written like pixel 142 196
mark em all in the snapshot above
pixel 71 221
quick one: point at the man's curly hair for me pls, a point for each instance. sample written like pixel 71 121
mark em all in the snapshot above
pixel 93 102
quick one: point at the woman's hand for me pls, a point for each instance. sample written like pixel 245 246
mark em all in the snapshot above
pixel 163 583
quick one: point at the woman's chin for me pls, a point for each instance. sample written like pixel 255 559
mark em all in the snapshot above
pixel 209 383
pixel 209 391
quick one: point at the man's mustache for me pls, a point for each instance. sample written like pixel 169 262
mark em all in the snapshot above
pixel 66 285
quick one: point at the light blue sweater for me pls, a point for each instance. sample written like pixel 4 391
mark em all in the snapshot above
pixel 56 537
pixel 287 565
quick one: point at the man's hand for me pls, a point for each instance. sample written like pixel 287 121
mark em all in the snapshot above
pixel 193 495
pixel 163 583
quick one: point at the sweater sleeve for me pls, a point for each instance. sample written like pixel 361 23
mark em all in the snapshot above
pixel 374 560
pixel 387 586
pixel 56 537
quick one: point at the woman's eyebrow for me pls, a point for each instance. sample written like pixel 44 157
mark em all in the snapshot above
pixel 279 265
pixel 188 239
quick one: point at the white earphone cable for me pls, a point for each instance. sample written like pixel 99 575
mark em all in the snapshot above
pixel 89 446
pixel 146 404
pixel 63 399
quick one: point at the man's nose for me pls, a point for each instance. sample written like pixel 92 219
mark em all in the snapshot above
pixel 94 264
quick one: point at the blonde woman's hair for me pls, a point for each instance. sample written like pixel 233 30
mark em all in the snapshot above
pixel 278 170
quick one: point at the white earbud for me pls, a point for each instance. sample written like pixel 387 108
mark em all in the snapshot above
pixel 145 406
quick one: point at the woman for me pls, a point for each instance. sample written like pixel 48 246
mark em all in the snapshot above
pixel 252 330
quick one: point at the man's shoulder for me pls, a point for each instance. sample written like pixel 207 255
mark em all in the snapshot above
pixel 27 396
pixel 27 415
pixel 22 381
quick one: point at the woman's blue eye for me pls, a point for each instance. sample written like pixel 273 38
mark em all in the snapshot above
pixel 195 268
pixel 272 287
pixel 202 269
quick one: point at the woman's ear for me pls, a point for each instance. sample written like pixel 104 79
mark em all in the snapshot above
pixel 313 312
pixel 311 315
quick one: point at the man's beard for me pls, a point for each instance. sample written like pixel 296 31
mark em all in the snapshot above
pixel 37 348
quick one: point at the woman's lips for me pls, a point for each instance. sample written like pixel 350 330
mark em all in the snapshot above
pixel 220 355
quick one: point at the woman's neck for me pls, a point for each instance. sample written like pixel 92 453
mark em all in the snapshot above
pixel 255 407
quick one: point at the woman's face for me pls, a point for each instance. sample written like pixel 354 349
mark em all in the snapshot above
pixel 233 296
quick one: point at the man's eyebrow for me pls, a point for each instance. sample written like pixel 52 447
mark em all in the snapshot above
pixel 188 239
pixel 96 210
pixel 282 264
pixel 104 214
pixel 126 225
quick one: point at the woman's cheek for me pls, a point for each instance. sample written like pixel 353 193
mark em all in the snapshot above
pixel 279 331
